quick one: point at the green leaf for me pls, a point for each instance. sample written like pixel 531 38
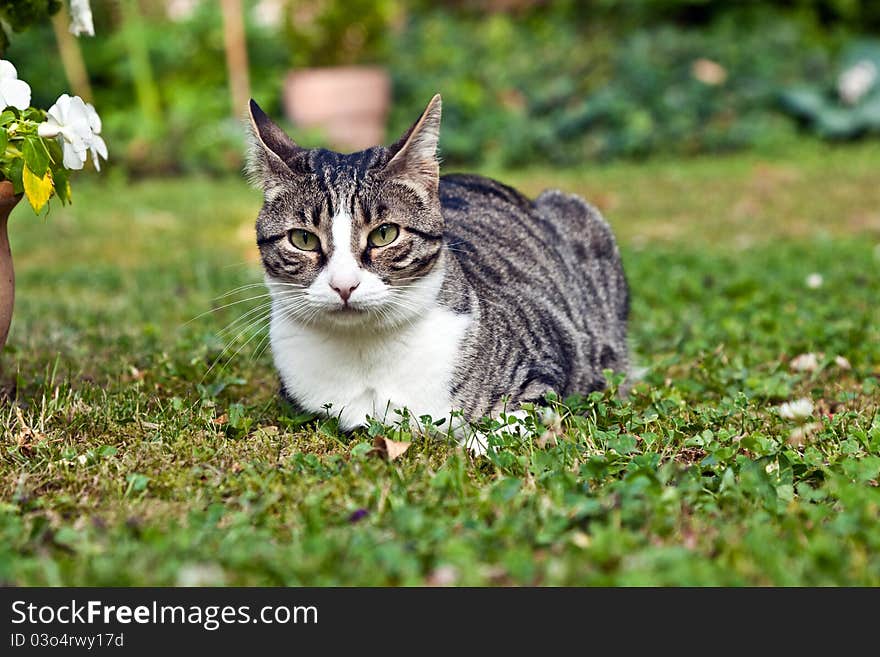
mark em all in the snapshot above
pixel 505 490
pixel 34 114
pixel 136 482
pixel 38 189
pixel 7 117
pixel 62 185
pixel 36 157
pixel 14 174
pixel 4 140
pixel 56 155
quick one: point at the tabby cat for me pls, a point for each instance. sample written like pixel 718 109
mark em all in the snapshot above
pixel 395 287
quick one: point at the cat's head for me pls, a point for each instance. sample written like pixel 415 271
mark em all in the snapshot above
pixel 349 240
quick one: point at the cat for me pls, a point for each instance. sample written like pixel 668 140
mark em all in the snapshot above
pixel 393 287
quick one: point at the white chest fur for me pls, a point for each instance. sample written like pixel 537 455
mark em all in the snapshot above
pixel 364 373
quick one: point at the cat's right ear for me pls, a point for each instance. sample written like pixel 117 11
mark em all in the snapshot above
pixel 414 155
pixel 273 157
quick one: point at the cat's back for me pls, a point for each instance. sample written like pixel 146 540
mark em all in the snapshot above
pixel 502 239
pixel 476 208
pixel 548 279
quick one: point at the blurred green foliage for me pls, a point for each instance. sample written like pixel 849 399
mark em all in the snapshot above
pixel 549 89
pixel 523 81
pixel 320 33
pixel 851 107
pixel 18 15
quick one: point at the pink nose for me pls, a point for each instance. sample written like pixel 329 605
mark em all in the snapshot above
pixel 344 289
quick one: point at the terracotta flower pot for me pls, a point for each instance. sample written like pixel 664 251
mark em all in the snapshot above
pixel 8 199
pixel 348 103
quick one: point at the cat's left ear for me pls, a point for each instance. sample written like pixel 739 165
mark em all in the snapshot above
pixel 272 155
pixel 414 155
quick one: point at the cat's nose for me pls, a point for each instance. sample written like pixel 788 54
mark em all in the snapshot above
pixel 344 288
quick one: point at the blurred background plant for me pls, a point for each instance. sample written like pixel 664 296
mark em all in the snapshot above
pixel 320 33
pixel 847 104
pixel 523 81
pixel 18 15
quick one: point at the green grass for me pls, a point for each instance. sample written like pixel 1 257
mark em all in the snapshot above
pixel 128 460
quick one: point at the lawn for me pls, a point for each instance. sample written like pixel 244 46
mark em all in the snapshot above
pixel 144 444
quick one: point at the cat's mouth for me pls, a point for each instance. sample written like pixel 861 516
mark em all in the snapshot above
pixel 347 310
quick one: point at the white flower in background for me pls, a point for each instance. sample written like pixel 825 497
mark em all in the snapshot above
pixel 842 362
pixel 69 120
pixel 13 92
pixel 269 13
pixel 814 281
pixel 81 18
pixel 96 144
pixel 798 409
pixel 805 363
pixel 856 81
pixel 804 433
pixel 180 10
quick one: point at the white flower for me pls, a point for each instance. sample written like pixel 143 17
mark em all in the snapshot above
pixel 856 81
pixel 13 92
pixel 180 10
pixel 269 13
pixel 81 18
pixel 96 144
pixel 69 119
pixel 796 410
pixel 814 281
pixel 808 362
pixel 842 362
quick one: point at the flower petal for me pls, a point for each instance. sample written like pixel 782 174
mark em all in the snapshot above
pixel 58 111
pixel 7 70
pixel 16 93
pixel 94 119
pixel 48 129
pixel 73 159
pixel 81 18
pixel 77 118
pixel 99 146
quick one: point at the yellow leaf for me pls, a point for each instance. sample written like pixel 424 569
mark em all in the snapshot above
pixel 37 189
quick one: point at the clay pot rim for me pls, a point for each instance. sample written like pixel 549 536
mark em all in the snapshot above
pixel 8 197
pixel 354 68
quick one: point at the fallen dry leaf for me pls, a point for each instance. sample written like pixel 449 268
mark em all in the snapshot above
pixel 444 575
pixel 388 449
pixel 708 72
pixel 27 436
pixel 220 421
pixel 547 438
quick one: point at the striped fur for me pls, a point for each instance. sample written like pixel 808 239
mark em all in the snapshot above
pixel 538 285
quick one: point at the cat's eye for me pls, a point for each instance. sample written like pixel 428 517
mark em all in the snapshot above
pixel 304 240
pixel 383 235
